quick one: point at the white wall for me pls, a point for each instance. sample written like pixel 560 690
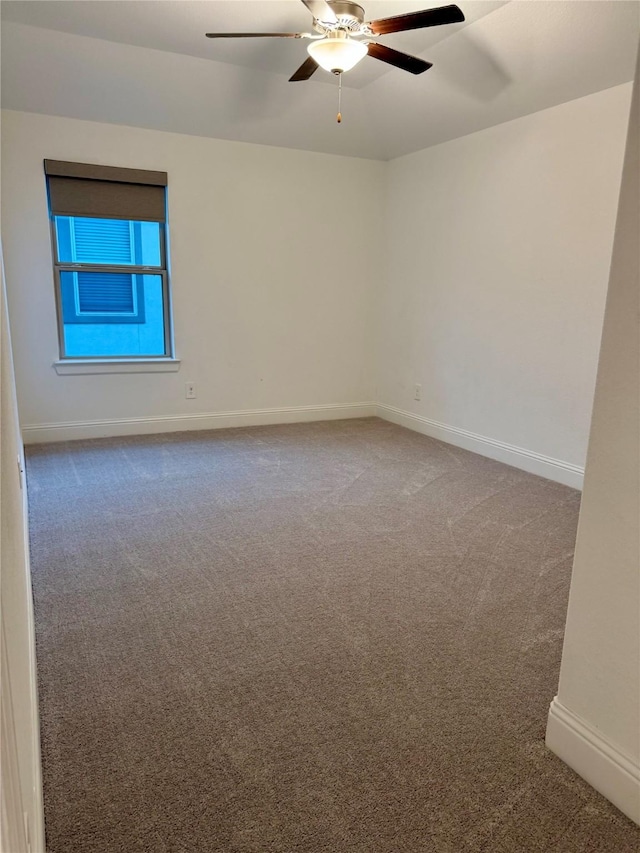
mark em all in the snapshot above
pixel 272 255
pixel 594 723
pixel 20 784
pixel 499 250
pixel 476 268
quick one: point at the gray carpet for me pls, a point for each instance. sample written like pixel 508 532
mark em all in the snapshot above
pixel 335 636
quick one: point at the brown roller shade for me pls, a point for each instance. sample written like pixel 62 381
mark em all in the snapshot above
pixel 105 192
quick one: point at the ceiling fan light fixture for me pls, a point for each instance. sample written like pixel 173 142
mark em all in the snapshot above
pixel 337 54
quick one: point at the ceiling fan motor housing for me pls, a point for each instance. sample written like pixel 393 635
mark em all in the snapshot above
pixel 350 18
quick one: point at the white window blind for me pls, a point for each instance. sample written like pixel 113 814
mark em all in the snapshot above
pixel 105 292
pixel 102 241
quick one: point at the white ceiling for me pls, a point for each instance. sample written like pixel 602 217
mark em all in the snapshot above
pixel 178 26
pixel 147 63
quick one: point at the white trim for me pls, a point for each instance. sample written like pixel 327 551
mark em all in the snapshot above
pixel 67 366
pixel 35 831
pixel 36 433
pixel 29 828
pixel 600 762
pixel 23 819
pixel 12 829
pixel 527 460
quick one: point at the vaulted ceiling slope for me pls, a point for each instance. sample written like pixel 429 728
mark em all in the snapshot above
pixel 148 64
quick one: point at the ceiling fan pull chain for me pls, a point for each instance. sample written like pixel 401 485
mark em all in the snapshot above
pixel 339 118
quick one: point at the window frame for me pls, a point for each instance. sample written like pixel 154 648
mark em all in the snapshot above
pixel 131 269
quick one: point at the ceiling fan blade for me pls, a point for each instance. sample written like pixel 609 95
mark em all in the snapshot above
pixel 321 11
pixel 401 60
pixel 257 35
pixel 308 67
pixel 417 20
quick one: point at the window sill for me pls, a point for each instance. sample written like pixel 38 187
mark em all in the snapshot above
pixel 66 367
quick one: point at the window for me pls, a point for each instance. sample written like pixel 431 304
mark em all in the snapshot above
pixel 108 230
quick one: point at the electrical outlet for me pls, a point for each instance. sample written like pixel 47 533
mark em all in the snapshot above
pixel 190 390
pixel 417 392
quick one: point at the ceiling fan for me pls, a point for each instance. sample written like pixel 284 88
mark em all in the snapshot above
pixel 343 36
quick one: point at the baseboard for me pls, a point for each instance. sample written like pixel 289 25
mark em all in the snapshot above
pixel 519 457
pixel 535 463
pixel 615 775
pixel 38 433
